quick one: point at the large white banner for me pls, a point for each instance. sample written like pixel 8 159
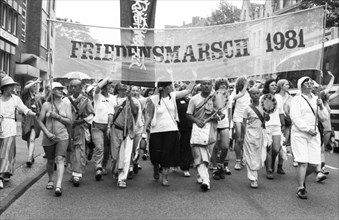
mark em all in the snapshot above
pixel 257 47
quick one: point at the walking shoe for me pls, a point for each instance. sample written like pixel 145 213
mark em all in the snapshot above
pixel 104 171
pixel 76 181
pixel 324 171
pixel 121 184
pixel 216 175
pixel 320 177
pixel 254 184
pixel 187 173
pixel 269 175
pixel 301 193
pixel 130 175
pixel 280 170
pixel 98 174
pixel 205 186
pixel 237 165
pixel 58 191
pixel 156 172
pixel 227 171
pixel 135 168
pixel 295 164
pixel 221 171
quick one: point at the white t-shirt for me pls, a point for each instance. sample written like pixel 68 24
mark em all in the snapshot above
pixel 102 108
pixel 241 104
pixel 166 114
pixel 274 117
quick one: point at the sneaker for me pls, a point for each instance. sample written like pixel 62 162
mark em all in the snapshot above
pixel 227 171
pixel 320 177
pixel 205 186
pixel 237 165
pixel 187 173
pixel 76 181
pixel 295 164
pixel 121 184
pixel 301 193
pixel 104 171
pixel 269 175
pixel 254 184
pixel 98 174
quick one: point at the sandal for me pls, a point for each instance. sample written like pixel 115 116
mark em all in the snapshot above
pixel 58 191
pixel 50 185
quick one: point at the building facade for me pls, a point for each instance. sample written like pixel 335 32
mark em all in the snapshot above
pixel 26 37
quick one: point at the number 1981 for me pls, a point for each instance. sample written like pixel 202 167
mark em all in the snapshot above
pixel 289 40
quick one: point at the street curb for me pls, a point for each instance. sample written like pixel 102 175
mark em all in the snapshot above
pixel 21 189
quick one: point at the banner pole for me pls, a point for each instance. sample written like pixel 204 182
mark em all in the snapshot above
pixel 50 75
pixel 321 64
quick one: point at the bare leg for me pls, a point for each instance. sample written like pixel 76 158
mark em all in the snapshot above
pixel 31 145
pixel 301 174
pixel 50 169
pixel 60 161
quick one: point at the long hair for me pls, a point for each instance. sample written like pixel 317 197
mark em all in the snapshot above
pixel 280 84
pixel 239 84
pixel 266 89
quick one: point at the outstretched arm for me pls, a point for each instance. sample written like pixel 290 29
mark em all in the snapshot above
pixel 330 84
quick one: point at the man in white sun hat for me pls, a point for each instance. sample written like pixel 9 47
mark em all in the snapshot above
pixel 305 137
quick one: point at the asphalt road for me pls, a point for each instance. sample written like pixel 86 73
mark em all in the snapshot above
pixel 144 198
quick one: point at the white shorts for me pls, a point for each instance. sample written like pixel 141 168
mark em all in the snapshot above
pixel 305 148
pixel 273 130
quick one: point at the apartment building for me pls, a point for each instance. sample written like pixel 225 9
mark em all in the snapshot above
pixel 26 37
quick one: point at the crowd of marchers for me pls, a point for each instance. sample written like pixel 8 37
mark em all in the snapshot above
pixel 176 125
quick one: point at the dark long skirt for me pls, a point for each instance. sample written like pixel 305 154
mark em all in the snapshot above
pixel 164 148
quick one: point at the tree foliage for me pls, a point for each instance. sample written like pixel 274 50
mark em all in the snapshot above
pixel 332 16
pixel 225 14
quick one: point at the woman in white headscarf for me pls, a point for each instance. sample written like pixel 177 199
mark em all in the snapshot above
pixel 305 138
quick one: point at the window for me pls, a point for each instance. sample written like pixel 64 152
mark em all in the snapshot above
pixel 23 25
pixel 4 16
pixel 9 21
pixel 45 5
pixel 15 22
pixel 44 34
pixel 5 59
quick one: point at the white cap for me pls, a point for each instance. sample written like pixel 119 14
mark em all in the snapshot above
pixel 301 80
pixel 57 85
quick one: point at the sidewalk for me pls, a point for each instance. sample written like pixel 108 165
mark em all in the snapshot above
pixel 23 177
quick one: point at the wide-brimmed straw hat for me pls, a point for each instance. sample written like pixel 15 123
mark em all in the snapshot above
pixel 7 80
